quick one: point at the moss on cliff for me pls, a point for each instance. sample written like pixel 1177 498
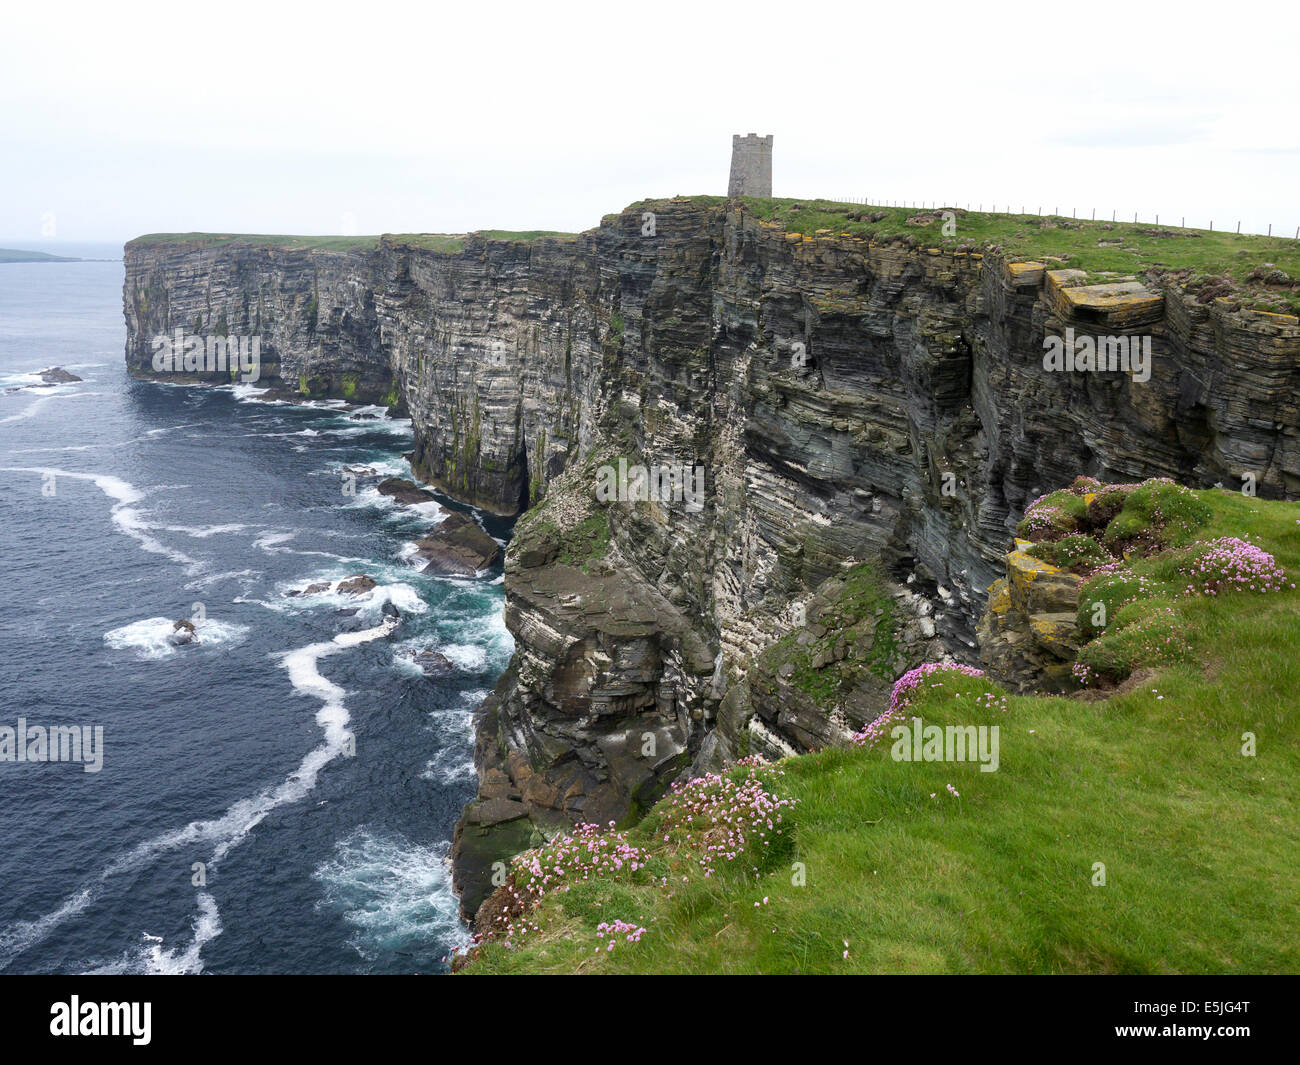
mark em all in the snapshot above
pixel 850 631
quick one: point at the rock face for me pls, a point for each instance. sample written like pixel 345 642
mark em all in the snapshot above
pixel 358 584
pixel 845 401
pixel 457 547
pixel 57 375
pixel 432 663
pixel 1029 633
pixel 404 492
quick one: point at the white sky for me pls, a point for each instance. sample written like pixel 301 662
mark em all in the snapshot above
pixel 121 119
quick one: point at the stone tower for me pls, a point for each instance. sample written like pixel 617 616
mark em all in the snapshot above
pixel 751 166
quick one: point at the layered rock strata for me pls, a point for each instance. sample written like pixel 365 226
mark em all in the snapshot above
pixel 846 403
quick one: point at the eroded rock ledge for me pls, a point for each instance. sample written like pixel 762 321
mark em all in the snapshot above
pixel 852 403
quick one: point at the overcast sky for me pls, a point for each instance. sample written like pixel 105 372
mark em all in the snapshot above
pixel 122 119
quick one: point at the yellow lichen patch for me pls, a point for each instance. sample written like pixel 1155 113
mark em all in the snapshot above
pixel 1022 571
pixel 1280 319
pixel 1057 632
pixel 1116 304
pixel 1025 274
pixel 1057 280
pixel 999 597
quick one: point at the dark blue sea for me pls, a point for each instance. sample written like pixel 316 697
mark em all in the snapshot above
pixel 230 828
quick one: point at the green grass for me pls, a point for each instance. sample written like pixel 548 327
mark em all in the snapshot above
pixel 863 592
pixel 1201 845
pixel 586 542
pixel 1195 255
pixel 275 240
pixel 525 236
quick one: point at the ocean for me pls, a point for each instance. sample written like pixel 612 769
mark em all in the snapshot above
pixel 279 795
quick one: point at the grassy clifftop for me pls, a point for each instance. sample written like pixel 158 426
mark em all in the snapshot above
pixel 847 860
pixel 1267 269
pixel 442 242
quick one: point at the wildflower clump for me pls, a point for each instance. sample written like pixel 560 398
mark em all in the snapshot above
pixel 1156 514
pixel 1076 552
pixel 724 820
pixel 719 819
pixel 1093 524
pixel 613 929
pixel 1229 564
pixel 909 686
pixel 1154 637
pixel 1053 516
pixel 1109 590
pixel 585 854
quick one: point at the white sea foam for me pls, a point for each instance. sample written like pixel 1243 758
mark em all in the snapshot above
pixel 426 513
pixel 33 408
pixel 271 542
pixel 450 766
pixel 123 514
pixel 202 532
pixel 470 657
pixel 375 425
pixel 150 638
pixel 245 393
pixel 396 894
pixel 406 666
pixel 227 831
pixel 152 958
pixel 17 937
pixel 207 926
pixel 248 576
pixel 368 604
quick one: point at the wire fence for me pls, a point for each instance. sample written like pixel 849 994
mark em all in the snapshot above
pixel 1008 209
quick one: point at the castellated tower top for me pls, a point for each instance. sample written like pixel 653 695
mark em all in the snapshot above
pixel 751 166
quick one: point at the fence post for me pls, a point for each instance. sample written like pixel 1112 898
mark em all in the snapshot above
pixel 1238 228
